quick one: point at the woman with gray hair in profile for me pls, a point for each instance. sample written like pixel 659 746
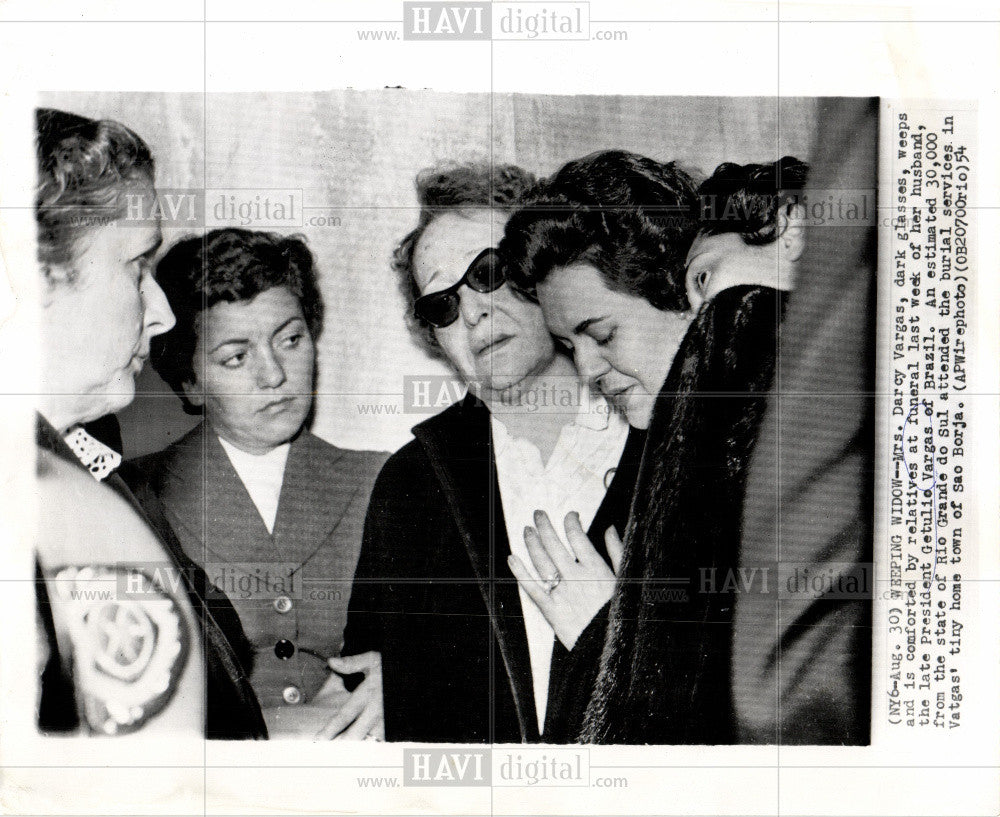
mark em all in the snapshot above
pixel 142 660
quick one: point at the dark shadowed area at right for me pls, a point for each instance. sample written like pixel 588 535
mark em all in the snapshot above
pixel 801 663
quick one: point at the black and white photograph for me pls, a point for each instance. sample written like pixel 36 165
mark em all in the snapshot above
pixel 419 448
pixel 581 547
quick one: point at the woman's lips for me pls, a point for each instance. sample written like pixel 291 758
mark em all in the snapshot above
pixel 277 406
pixel 494 345
pixel 622 395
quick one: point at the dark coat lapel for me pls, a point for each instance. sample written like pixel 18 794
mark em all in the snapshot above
pixel 459 445
pixel 615 506
pixel 314 498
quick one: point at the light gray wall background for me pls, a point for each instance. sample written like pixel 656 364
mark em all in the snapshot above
pixel 356 153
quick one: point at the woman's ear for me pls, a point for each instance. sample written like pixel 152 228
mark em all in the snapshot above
pixel 57 278
pixel 195 396
pixel 791 231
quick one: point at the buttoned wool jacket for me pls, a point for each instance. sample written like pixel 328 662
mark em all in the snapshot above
pixel 290 587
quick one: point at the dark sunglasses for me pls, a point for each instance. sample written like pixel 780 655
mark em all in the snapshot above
pixel 485 274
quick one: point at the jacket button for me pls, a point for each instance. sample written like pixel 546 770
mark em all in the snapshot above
pixel 282 604
pixel 284 649
pixel 292 695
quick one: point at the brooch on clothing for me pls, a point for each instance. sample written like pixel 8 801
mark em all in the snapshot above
pixel 98 458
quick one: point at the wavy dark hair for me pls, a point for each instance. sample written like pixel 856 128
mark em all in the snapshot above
pixel 226 265
pixel 664 674
pixel 454 188
pixel 84 168
pixel 746 199
pixel 631 217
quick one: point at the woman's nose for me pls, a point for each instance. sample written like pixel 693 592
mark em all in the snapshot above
pixel 474 306
pixel 590 364
pixel 270 373
pixel 158 317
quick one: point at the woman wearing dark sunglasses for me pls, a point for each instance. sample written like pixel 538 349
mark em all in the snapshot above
pixel 465 656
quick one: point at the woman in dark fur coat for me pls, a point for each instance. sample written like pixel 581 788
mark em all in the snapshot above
pixel 664 675
pixel 694 366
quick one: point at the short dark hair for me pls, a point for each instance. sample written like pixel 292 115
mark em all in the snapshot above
pixel 84 166
pixel 226 265
pixel 452 187
pixel 745 199
pixel 629 216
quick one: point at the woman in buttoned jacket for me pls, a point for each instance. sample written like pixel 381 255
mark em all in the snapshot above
pixel 272 513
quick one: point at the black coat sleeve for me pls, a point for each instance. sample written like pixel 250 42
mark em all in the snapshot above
pixel 574 675
pixel 363 630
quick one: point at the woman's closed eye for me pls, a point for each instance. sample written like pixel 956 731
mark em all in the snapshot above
pixel 610 336
pixel 142 267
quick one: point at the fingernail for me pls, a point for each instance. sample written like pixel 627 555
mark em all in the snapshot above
pixel 538 516
pixel 528 531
